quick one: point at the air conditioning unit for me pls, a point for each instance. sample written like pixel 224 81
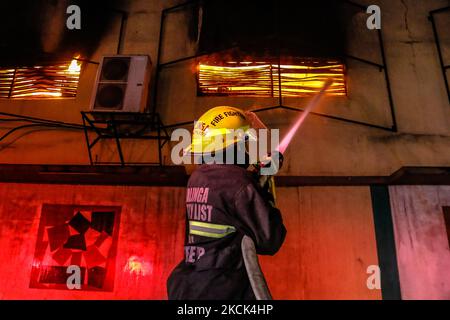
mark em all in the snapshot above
pixel 122 84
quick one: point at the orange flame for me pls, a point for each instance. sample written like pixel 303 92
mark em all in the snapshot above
pixel 75 66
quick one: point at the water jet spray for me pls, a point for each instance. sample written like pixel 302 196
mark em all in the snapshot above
pixel 294 129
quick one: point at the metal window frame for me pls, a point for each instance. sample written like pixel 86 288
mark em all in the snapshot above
pixel 439 48
pixel 274 70
pixel 382 68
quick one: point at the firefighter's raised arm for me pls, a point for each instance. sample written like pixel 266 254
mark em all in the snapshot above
pixel 259 219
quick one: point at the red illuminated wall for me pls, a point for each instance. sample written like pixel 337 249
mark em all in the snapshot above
pixel 150 237
pixel 329 245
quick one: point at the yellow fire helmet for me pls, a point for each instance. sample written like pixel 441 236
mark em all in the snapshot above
pixel 219 128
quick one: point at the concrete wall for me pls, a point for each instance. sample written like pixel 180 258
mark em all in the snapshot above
pixel 330 241
pixel 421 238
pixel 329 246
pixel 151 228
pixel 324 147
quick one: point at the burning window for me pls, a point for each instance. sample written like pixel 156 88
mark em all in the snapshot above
pixel 303 78
pixel 46 81
pixel 243 42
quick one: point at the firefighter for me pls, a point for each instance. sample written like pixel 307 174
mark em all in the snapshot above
pixel 224 203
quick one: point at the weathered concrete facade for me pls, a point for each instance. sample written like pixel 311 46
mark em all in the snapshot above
pixel 324 146
pixel 421 240
pixel 332 233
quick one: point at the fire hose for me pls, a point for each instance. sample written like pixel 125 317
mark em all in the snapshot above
pixel 254 272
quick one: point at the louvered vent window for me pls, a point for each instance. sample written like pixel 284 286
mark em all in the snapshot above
pixel 303 78
pixel 46 81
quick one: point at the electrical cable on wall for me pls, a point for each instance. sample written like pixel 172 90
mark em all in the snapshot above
pixel 35 123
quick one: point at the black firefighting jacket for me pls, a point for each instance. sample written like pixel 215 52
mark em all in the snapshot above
pixel 223 203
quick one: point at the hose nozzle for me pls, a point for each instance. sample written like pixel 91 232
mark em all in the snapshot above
pixel 271 164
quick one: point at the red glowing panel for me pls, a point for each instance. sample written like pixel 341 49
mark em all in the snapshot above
pixel 82 236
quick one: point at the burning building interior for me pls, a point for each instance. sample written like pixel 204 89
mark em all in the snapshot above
pixel 87 116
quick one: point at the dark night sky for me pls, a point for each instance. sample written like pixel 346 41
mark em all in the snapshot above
pixel 299 28
pixel 21 28
pixel 305 28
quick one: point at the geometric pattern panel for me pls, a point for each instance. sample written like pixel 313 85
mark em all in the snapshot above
pixel 72 235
